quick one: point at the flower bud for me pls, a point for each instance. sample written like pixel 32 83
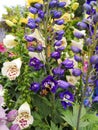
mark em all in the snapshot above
pixel 75 49
pixel 53 3
pixel 35 87
pixel 55 55
pixel 33 10
pixel 82 25
pixel 68 64
pixel 9 23
pixel 95 18
pixel 76 72
pixel 87 7
pixel 61 4
pixel 59 22
pixel 12 115
pixel 38 5
pixel 94 59
pixel 78 58
pixel 63 84
pixel 75 5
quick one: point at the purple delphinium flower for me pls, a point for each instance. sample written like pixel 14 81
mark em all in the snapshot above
pixel 58 43
pixel 75 49
pixel 95 18
pixel 56 54
pixel 68 64
pixel 63 84
pixel 36 63
pixel 87 102
pixel 31 23
pixel 82 25
pixel 89 1
pixel 31 48
pixel 78 58
pixel 41 14
pixel 67 99
pixel 33 10
pixel 78 34
pixel 59 22
pixel 53 3
pixel 38 5
pixel 61 4
pixel 35 87
pixel 58 71
pixel 29 38
pixel 49 83
pixel 94 59
pixel 56 14
pixel 76 72
pixel 11 116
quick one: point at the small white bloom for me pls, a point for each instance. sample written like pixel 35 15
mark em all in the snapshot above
pixel 82 31
pixel 64 43
pixel 72 79
pixel 36 34
pixel 12 69
pixel 24 118
pixel 67 2
pixel 78 43
pixel 9 41
pixel 40 56
pixel 1 90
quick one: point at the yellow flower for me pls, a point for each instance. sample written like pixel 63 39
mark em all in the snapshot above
pixel 34 1
pixel 9 23
pixel 58 27
pixel 75 5
pixel 24 20
pixel 31 15
pixel 14 21
pixel 66 17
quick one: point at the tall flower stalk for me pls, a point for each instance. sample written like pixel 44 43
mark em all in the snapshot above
pixel 91 53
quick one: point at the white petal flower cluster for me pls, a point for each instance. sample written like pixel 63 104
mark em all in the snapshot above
pixel 11 69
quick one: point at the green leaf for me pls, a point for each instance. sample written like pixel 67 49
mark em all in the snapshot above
pixel 54 127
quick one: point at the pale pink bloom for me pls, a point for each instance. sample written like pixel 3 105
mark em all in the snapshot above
pixel 12 69
pixel 24 117
pixel 85 67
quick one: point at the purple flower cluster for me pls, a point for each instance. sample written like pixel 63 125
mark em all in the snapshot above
pixel 45 14
pixel 36 63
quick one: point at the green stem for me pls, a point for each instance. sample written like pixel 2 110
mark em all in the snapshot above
pixel 87 77
pixel 53 107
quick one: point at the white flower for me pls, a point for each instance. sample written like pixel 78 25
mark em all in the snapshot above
pixel 40 39
pixel 9 41
pixel 72 79
pixel 24 118
pixel 78 43
pixel 1 90
pixel 82 31
pixel 64 43
pixel 12 69
pixel 40 56
pixel 67 2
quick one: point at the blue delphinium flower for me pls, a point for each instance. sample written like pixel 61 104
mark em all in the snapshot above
pixel 67 99
pixel 68 64
pixel 63 84
pixel 76 72
pixel 49 83
pixel 35 87
pixel 36 63
pixel 58 71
